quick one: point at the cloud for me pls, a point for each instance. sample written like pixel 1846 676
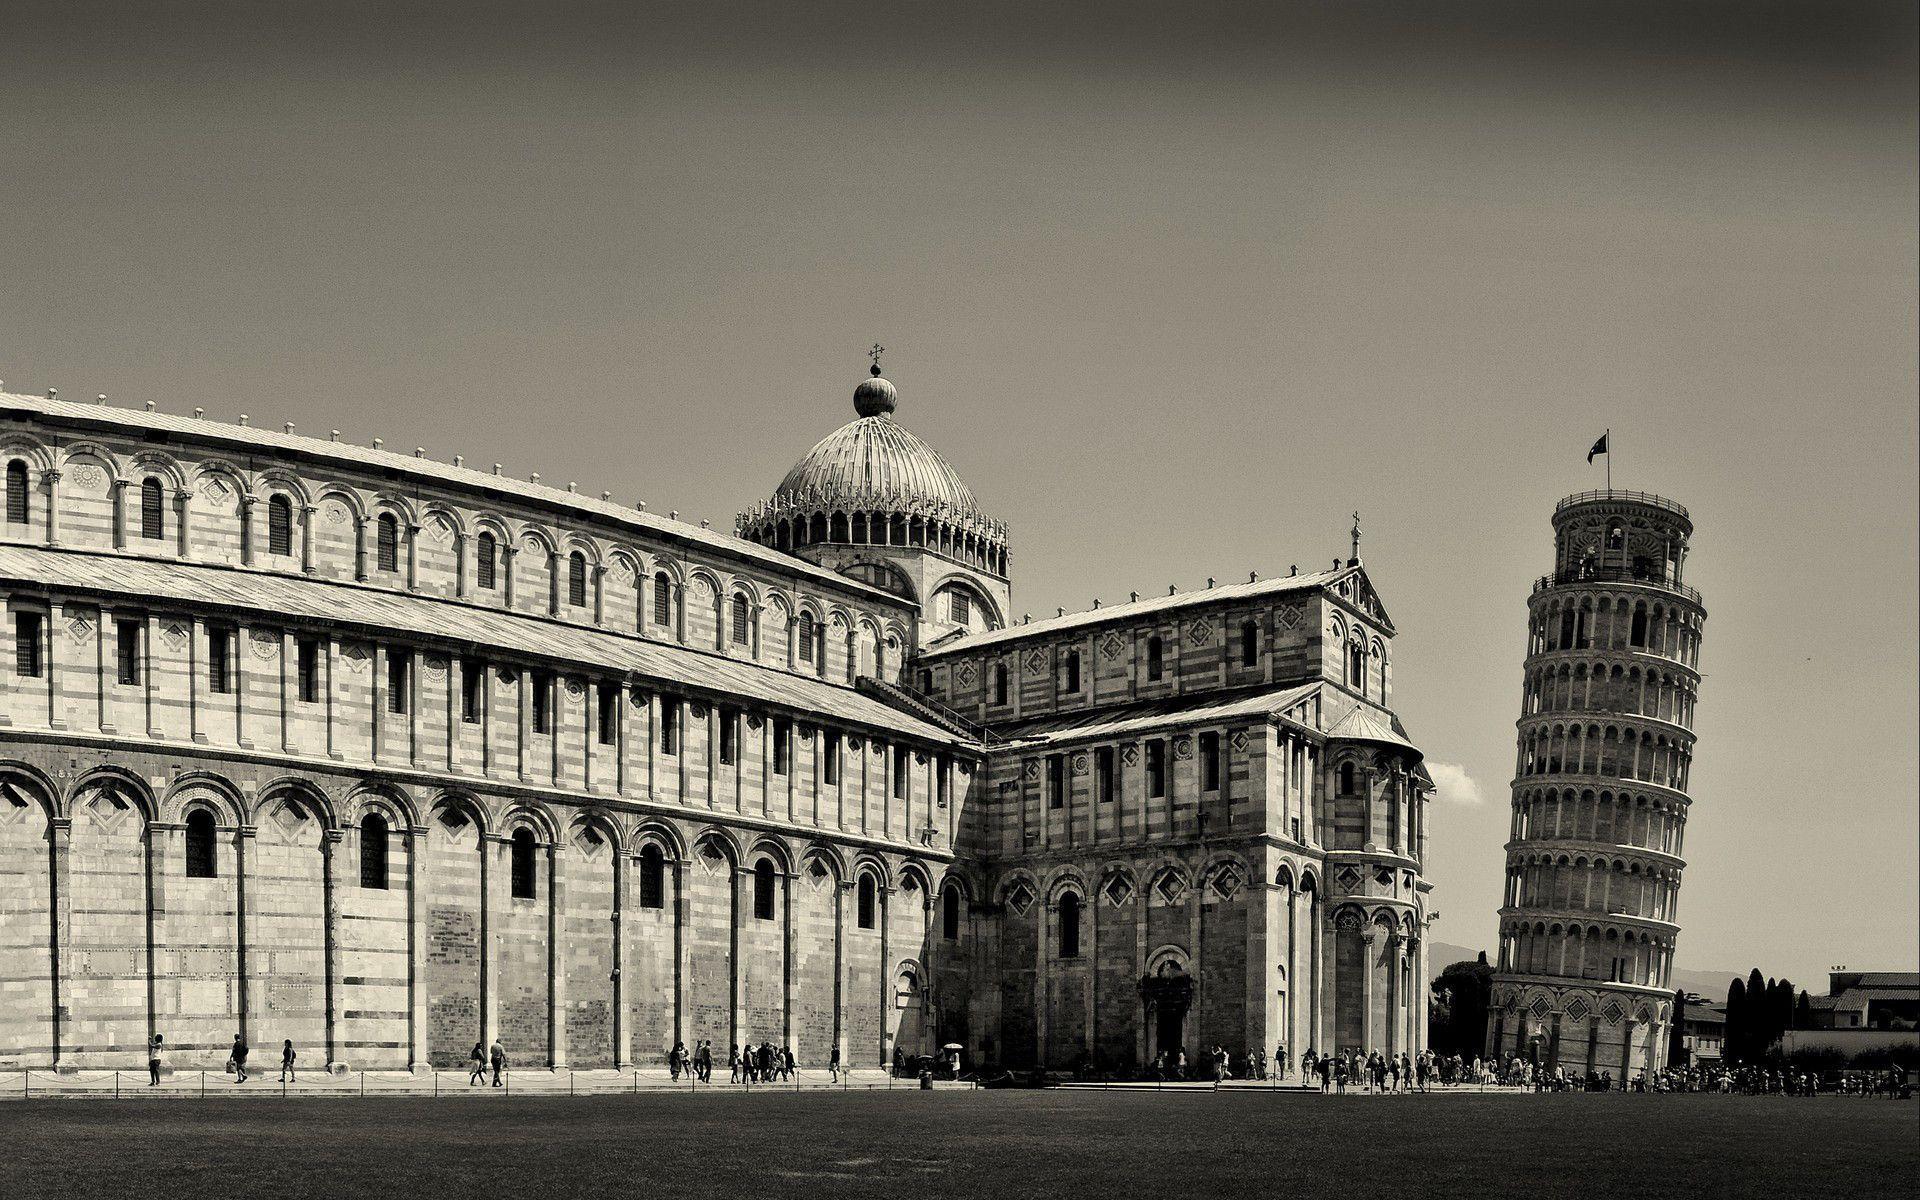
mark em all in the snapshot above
pixel 1453 785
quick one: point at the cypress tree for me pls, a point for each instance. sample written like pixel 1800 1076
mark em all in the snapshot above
pixel 1736 1019
pixel 1676 1035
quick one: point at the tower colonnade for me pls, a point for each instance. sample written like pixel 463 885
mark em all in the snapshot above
pixel 1604 754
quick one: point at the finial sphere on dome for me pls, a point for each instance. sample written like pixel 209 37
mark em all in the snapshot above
pixel 875 397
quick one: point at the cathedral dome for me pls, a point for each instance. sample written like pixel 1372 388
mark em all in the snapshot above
pixel 869 476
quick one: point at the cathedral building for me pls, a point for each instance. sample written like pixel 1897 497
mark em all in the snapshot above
pixel 1600 804
pixel 388 756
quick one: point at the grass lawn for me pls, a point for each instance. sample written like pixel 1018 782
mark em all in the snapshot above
pixel 963 1144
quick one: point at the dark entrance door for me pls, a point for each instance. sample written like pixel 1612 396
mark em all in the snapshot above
pixel 1169 1021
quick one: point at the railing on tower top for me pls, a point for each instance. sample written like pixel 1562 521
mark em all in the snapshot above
pixel 1617 494
pixel 1613 575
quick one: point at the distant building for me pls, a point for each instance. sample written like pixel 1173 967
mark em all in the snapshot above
pixel 1868 1000
pixel 1703 1031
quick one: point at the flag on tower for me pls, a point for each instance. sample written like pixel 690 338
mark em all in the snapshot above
pixel 1599 447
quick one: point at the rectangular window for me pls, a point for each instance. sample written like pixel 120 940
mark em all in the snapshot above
pixel 307 669
pixel 1295 825
pixel 473 677
pixel 608 718
pixel 782 745
pixel 1157 767
pixel 128 656
pixel 729 736
pixel 220 661
pixel 1103 774
pixel 830 757
pixel 940 781
pixel 962 607
pixel 1210 762
pixel 669 726
pixel 26 645
pixel 540 687
pixel 397 663
pixel 1155 659
pixel 1056 781
pixel 902 763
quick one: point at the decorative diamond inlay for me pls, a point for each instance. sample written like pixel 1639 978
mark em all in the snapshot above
pixel 1199 633
pixel 1613 1012
pixel 1020 898
pixel 1226 881
pixel 1576 1009
pixel 1238 741
pixel 1130 754
pixel 964 673
pixel 1541 1009
pixel 1118 891
pixel 80 628
pixel 1113 645
pixel 1036 661
pixel 1031 771
pixel 1170 888
pixel 1289 616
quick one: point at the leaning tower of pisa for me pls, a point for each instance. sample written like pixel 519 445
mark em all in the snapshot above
pixel 1591 909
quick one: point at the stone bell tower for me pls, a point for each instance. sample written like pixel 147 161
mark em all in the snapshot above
pixel 1592 902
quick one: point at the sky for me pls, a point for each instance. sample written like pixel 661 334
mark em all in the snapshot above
pixel 1176 287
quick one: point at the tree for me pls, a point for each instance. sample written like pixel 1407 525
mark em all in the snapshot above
pixel 1733 1047
pixel 1676 1032
pixel 1458 1019
pixel 1803 1013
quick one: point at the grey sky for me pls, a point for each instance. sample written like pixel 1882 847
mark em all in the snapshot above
pixel 1176 288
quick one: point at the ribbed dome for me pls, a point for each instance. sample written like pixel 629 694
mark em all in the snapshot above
pixel 874 462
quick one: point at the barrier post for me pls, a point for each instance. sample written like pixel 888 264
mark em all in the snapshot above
pixel 116 1085
pixel 363 1083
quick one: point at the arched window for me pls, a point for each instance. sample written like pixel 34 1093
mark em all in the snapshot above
pixel 153 513
pixel 486 557
pixel 1070 672
pixel 741 632
pixel 279 525
pixel 1346 779
pixel 202 859
pixel 1638 636
pixel 1156 658
pixel 387 543
pixel 763 890
pixel 662 598
pixel 17 511
pixel 1249 644
pixel 653 877
pixel 577 579
pixel 1069 926
pixel 950 914
pixel 869 901
pixel 1357 667
pixel 523 873
pixel 373 852
pixel 1000 684
pixel 806 635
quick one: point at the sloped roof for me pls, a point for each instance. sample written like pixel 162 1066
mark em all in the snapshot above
pixel 274 596
pixel 477 483
pixel 1133 610
pixel 1363 724
pixel 1157 714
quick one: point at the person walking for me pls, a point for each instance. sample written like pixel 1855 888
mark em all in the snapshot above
pixel 286 1061
pixel 477 1065
pixel 787 1063
pixel 733 1064
pixel 497 1054
pixel 833 1063
pixel 156 1047
pixel 239 1059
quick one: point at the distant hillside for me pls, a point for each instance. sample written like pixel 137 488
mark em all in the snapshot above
pixel 1711 984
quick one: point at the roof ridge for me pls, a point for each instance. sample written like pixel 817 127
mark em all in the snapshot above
pixel 446 474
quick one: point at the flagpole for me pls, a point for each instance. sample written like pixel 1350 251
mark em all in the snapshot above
pixel 1609 458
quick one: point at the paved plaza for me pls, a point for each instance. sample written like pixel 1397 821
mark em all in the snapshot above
pixel 955 1143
